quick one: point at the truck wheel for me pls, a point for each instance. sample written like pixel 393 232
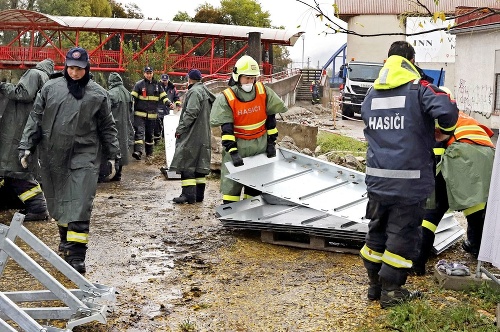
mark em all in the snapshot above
pixel 347 112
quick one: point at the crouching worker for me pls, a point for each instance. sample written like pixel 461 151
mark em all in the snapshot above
pixel 70 121
pixel 468 151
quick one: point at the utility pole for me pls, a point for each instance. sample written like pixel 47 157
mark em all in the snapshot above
pixel 303 36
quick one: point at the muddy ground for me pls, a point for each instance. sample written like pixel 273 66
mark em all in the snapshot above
pixel 177 269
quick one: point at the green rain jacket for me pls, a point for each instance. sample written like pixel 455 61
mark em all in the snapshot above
pixel 121 107
pixel 18 102
pixel 68 133
pixel 476 161
pixel 193 147
pixel 222 113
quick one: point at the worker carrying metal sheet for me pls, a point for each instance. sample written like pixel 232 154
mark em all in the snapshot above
pixel 246 112
pixel 468 151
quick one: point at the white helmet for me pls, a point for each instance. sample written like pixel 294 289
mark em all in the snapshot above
pixel 245 65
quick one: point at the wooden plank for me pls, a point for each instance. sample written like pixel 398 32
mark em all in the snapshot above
pixel 305 241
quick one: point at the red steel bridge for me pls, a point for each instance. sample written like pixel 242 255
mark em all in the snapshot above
pixel 29 37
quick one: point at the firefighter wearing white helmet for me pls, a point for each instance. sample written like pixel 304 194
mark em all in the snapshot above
pixel 246 112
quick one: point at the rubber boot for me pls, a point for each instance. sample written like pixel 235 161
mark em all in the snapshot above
pixel 63 233
pixel 74 255
pixel 393 294
pixel 188 195
pixel 475 224
pixel 425 252
pixel 375 288
pixel 200 192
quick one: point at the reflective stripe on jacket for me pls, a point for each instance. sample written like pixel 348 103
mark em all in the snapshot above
pixel 469 130
pixel 153 95
pixel 249 117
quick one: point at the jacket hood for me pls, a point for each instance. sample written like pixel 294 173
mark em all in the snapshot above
pixel 46 66
pixel 114 79
pixel 396 71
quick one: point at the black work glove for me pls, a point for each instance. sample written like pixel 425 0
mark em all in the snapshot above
pixel 177 135
pixel 271 150
pixel 237 160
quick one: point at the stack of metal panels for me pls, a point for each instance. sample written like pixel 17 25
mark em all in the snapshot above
pixel 306 195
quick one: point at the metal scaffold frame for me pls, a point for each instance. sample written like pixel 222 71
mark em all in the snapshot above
pixel 88 303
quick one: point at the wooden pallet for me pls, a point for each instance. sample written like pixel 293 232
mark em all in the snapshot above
pixel 306 241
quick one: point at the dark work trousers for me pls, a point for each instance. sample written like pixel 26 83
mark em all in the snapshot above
pixel 77 238
pixel 432 218
pixel 394 229
pixel 158 132
pixel 144 132
pixel 475 221
pixel 30 193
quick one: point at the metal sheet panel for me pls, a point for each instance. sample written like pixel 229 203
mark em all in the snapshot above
pixel 317 184
pixel 307 195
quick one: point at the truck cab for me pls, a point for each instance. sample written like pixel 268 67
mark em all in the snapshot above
pixel 358 77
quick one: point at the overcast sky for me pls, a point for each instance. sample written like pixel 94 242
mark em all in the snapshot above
pixel 316 47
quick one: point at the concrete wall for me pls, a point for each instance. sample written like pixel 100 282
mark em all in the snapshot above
pixel 477 63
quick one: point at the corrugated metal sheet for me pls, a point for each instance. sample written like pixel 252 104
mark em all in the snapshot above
pixel 395 7
pixel 276 36
pixel 303 194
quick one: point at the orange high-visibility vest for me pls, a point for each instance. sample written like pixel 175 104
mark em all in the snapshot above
pixel 249 116
pixel 469 130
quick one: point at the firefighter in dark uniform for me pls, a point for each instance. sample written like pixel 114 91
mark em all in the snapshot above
pixel 468 151
pixel 246 112
pixel 147 94
pixel 399 113
pixel 20 98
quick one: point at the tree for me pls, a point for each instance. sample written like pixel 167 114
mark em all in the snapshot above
pixel 233 12
pixel 182 17
pixel 246 13
pixel 207 13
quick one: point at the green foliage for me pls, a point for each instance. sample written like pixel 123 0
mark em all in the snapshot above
pixel 486 293
pixel 421 316
pixel 246 13
pixel 182 17
pixel 156 57
pixel 234 12
pixel 342 144
pixel 187 326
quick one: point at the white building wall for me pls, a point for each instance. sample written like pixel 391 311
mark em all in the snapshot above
pixel 373 49
pixel 474 86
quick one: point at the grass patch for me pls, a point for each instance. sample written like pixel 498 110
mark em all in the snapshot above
pixel 187 326
pixel 341 144
pixel 467 311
